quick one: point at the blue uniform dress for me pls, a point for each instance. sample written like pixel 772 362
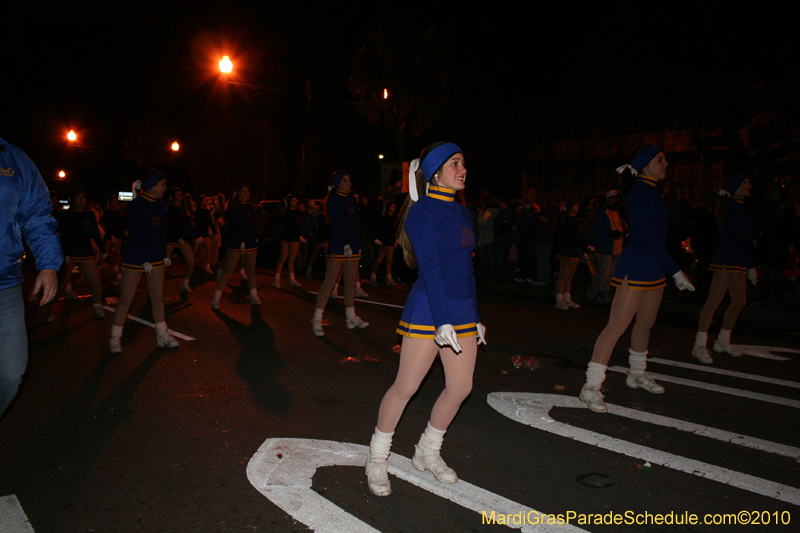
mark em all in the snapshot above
pixel 573 240
pixel 179 226
pixel 733 255
pixel 147 233
pixel 77 228
pixel 645 258
pixel 346 229
pixel 443 238
pixel 290 232
pixel 242 232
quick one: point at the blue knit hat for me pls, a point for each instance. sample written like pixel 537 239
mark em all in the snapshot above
pixel 641 159
pixel 735 182
pixel 151 179
pixel 337 176
pixel 436 158
pixel 75 193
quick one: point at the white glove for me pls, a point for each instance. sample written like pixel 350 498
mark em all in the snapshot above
pixel 303 240
pixel 241 247
pixel 181 242
pixel 481 333
pixel 591 248
pixel 147 268
pixel 752 276
pixel 348 252
pixel 376 242
pixel 446 336
pixel 682 282
pixel 103 258
pixel 199 240
pixel 167 262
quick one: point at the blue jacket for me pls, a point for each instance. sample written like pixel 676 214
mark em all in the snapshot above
pixel 25 213
pixel 343 210
pixel 734 252
pixel 147 233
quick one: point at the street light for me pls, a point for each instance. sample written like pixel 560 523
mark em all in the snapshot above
pixel 62 174
pixel 225 65
pixel 175 146
pixel 72 136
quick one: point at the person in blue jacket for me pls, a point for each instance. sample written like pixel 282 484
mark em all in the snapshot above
pixel 24 218
pixel 242 244
pixel 145 254
pixel 77 227
pixel 440 315
pixel 569 255
pixel 639 277
pixel 732 265
pixel 289 238
pixel 181 234
pixel 344 251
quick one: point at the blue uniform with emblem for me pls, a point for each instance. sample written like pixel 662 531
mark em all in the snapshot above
pixel 77 228
pixel 240 219
pixel 645 258
pixel 443 238
pixel 346 228
pixel 147 233
pixel 733 255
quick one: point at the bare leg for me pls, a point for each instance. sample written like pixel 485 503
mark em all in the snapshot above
pixel 571 268
pixel 458 372
pixel 250 270
pixel 378 259
pixel 623 308
pixel 91 271
pixel 282 258
pixel 188 256
pixel 738 290
pixel 332 270
pixel 388 265
pixel 563 272
pixel 719 286
pixel 416 358
pixel 128 285
pixel 155 290
pixel 349 276
pixel 292 255
pixel 645 318
pixel 228 266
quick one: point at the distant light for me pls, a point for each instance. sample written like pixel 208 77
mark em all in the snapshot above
pixel 385 94
pixel 380 156
pixel 225 65
pixel 176 146
pixel 62 174
pixel 71 136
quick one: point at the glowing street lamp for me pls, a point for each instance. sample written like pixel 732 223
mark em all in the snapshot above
pixel 225 65
pixel 380 156
pixel 385 94
pixel 62 174
pixel 72 136
pixel 175 146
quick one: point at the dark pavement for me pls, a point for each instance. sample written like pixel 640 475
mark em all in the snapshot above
pixel 159 440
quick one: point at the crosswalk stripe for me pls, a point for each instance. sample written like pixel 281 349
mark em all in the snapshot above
pixel 371 302
pixel 12 518
pixel 723 372
pixel 716 388
pixel 148 323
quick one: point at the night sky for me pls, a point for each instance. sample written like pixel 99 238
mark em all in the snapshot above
pixel 112 70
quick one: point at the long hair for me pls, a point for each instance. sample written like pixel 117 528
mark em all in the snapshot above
pixel 405 243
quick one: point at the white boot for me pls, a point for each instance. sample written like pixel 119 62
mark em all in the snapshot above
pixel 360 293
pixel 561 305
pixel 115 342
pixel 637 377
pixel 254 299
pixel 377 476
pixel 316 323
pixel 723 344
pixel 590 393
pixel 700 352
pixel 569 302
pixel 353 320
pixel 185 285
pixel 99 314
pixel 292 281
pixel 426 455
pixel 163 338
pixel 277 282
pixel 215 300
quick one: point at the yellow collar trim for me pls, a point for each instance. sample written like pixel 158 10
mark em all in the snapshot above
pixel 648 180
pixel 148 197
pixel 442 193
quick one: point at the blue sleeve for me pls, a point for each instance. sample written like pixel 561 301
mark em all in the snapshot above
pixel 37 225
pixel 421 226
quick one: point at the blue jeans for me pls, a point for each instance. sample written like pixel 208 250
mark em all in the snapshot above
pixel 14 342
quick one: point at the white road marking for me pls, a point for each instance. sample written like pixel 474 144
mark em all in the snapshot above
pixel 765 352
pixel 12 518
pixel 369 302
pixel 533 410
pixel 282 470
pixel 723 372
pixel 717 388
pixel 148 323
